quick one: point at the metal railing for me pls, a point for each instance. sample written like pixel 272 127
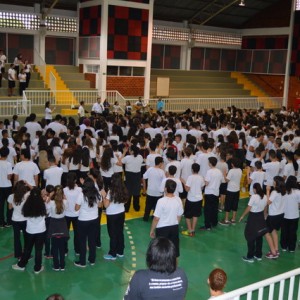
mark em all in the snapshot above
pixel 72 97
pixel 52 80
pixel 285 286
pixel 15 107
pixel 40 64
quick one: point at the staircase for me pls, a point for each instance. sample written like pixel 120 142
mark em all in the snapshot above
pixel 199 84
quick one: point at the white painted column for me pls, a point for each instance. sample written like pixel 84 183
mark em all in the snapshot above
pixel 103 47
pixel 149 53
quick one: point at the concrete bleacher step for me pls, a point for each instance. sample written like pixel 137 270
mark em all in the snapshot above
pixel 183 78
pixel 67 69
pixel 201 85
pixel 77 84
pixel 189 73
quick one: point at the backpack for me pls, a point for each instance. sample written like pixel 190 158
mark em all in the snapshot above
pixel 43 160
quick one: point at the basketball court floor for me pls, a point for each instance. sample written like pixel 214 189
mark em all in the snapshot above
pixel 222 247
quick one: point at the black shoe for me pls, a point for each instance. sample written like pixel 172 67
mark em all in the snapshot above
pixel 77 264
pixel 145 219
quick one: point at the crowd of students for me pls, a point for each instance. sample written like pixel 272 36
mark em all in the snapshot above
pixel 73 169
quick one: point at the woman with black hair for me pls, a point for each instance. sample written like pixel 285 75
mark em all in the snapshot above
pixel 87 204
pixel 16 202
pixel 133 164
pixel 85 162
pixel 115 212
pixel 289 225
pixel 56 149
pixel 48 112
pixel 256 226
pixel 74 161
pixel 162 279
pixel 107 166
pixel 34 210
pixel 72 192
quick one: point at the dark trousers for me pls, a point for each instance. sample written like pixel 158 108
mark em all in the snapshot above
pixel 136 203
pixel 150 205
pixel 255 247
pixel 115 228
pixel 288 237
pixel 106 183
pixel 74 222
pixel 48 249
pixel 171 233
pixel 36 240
pixel 18 227
pixel 98 239
pixel 211 210
pixel 87 232
pixel 22 87
pixel 4 193
pixel 58 252
pixel 28 76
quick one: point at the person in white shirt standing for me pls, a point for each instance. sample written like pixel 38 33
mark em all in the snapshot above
pixel 81 110
pixel 5 186
pixel 155 176
pixel 233 178
pixel 167 216
pixel 12 77
pixel 193 204
pixel 22 82
pixel 48 112
pixel 98 107
pixel 53 174
pixel 213 180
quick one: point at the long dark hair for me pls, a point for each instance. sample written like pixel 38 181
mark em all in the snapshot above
pixel 259 190
pixel 71 180
pixel 107 155
pixel 118 191
pixel 85 156
pixel 58 198
pixel 291 183
pixel 34 205
pixel 95 173
pixel 279 185
pixel 20 190
pixel 161 256
pixel 76 155
pixel 90 193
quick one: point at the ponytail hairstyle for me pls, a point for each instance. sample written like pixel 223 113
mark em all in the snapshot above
pixel 58 198
pixel 90 193
pixel 118 191
pixel 15 117
pixel 20 190
pixel 34 206
pixel 96 175
pixel 258 189
pixel 279 185
pixel 71 180
pixel 85 156
pixel 291 183
pixel 135 150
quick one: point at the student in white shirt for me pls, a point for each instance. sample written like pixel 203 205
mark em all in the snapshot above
pixel 72 192
pixel 115 212
pixel 171 175
pixel 81 110
pixel 53 174
pixel 233 179
pixel 258 176
pixel 155 176
pixel 15 203
pixel 275 215
pixel 213 180
pixel 150 159
pixel 216 280
pixel 193 205
pixel 58 230
pixel 288 239
pixel 87 204
pixel 272 169
pixel 107 164
pixel 5 186
pixel 297 158
pixel 289 169
pixel 171 156
pixel 256 226
pixel 34 210
pixel 167 216
pixel 48 112
pixel 26 169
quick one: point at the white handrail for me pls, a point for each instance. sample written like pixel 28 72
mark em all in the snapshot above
pixel 52 80
pixel 19 107
pixel 270 282
pixel 40 64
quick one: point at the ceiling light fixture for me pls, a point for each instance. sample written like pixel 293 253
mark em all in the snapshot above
pixel 242 3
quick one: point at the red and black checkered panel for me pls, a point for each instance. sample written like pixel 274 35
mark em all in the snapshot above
pixel 197 58
pixel 127 33
pixel 212 59
pixel 277 62
pixel 172 57
pixel 157 60
pixel 20 43
pixel 228 59
pixel 90 21
pixel 59 51
pixel 3 41
pixel 265 42
pixel 243 62
pixel 295 59
pixel 260 61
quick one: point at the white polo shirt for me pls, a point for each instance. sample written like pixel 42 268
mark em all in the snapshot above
pixel 155 177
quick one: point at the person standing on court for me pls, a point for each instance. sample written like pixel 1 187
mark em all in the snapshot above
pixel 11 75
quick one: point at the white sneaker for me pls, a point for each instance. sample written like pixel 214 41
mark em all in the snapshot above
pixel 16 267
pixel 40 270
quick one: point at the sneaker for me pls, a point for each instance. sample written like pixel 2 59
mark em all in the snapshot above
pixel 220 210
pixel 109 257
pixel 120 255
pixel 258 258
pixel 91 263
pixel 16 267
pixel 277 252
pixel 77 254
pixel 271 256
pixel 291 251
pixel 55 269
pixel 48 256
pixel 62 269
pixel 225 223
pixel 77 264
pixel 7 225
pixel 192 234
pixel 187 233
pixel 233 222
pixel 40 270
pixel 283 249
pixel 205 228
pixel 247 259
pixel 98 247
pixel 66 254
